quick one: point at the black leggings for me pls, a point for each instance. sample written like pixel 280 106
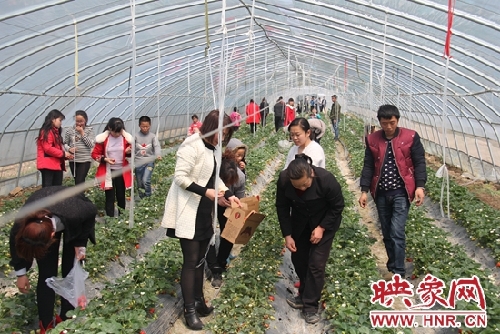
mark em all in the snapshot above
pixel 51 177
pixel 278 123
pixel 253 127
pixel 47 267
pixel 193 252
pixel 118 190
pixel 79 170
pixel 217 261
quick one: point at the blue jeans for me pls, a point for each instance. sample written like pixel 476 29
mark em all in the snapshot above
pixel 143 176
pixel 335 127
pixel 393 213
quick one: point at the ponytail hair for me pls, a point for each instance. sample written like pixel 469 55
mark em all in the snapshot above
pixel 300 167
pixel 35 235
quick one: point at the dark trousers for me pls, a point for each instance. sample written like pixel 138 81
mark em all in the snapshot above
pixel 262 118
pixel 310 261
pixel 193 252
pixel 79 170
pixel 278 123
pixel 47 267
pixel 253 127
pixel 216 261
pixel 393 213
pixel 51 177
pixel 118 192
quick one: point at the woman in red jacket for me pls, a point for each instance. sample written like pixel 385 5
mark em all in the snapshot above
pixel 253 115
pixel 50 153
pixel 110 151
pixel 289 112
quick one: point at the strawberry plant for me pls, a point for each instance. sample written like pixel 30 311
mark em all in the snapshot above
pixel 481 221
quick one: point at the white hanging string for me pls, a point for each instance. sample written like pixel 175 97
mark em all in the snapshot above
pixel 382 76
pixel 209 56
pixel 411 85
pixel 158 96
pixel 132 160
pixel 443 170
pixel 222 95
pixel 371 82
pixel 204 89
pixel 189 92
pixel 74 99
pixel 254 84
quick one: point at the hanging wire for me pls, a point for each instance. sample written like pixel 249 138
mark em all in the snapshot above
pixel 75 95
pixel 132 159
pixel 158 95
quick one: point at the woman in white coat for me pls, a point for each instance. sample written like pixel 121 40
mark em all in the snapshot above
pixel 189 207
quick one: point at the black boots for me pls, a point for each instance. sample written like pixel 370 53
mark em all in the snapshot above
pixel 191 312
pixel 192 320
pixel 201 307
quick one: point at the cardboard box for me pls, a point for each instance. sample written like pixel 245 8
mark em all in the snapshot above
pixel 242 222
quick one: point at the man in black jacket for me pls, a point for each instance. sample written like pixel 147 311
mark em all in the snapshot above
pixel 279 113
pixel 394 173
pixel 264 111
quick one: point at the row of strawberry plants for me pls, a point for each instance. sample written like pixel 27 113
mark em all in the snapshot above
pixel 115 237
pixel 431 252
pixel 481 221
pixel 129 304
pixel 351 266
pixel 244 304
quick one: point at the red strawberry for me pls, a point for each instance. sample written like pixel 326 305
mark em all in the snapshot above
pixel 498 264
pixel 271 298
pixel 297 284
pixel 137 246
pixel 152 310
pixel 409 259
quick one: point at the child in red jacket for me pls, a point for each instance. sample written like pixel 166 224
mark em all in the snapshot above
pixel 50 153
pixel 110 150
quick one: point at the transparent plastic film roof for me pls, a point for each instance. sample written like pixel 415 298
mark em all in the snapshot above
pixel 171 59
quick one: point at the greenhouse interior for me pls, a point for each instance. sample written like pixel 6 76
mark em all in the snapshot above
pixel 98 76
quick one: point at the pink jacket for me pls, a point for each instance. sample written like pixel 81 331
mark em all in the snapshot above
pixel 193 126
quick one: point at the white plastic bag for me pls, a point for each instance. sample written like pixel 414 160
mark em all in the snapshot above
pixel 71 287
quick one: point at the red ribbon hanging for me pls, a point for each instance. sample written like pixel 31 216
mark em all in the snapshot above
pixel 447 44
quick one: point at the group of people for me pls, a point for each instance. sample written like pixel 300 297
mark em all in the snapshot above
pixel 309 204
pixel 109 149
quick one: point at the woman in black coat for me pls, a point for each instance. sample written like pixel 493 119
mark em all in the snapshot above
pixel 309 204
pixel 37 234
